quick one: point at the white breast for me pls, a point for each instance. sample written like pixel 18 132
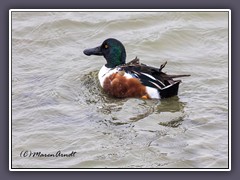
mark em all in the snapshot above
pixel 104 72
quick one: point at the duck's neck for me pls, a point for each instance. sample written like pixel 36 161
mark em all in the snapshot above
pixel 116 57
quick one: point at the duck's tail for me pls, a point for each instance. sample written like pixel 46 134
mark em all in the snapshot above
pixel 170 90
pixel 178 76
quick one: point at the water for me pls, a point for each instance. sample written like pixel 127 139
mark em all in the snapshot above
pixel 58 105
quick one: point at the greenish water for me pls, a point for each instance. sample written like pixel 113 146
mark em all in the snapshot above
pixel 58 105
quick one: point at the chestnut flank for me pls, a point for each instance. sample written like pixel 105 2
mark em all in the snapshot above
pixel 119 86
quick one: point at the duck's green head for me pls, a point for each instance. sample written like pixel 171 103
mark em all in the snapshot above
pixel 112 50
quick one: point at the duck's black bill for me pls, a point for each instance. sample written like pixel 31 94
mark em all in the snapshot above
pixel 93 51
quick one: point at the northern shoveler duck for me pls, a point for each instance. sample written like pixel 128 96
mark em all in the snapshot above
pixel 133 79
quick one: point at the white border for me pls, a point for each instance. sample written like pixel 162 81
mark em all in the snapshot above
pixel 116 10
pixel 119 10
pixel 10 90
pixel 229 88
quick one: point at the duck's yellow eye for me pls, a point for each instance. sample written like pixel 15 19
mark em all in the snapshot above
pixel 106 46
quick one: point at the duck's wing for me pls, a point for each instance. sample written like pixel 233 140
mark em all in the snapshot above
pixel 150 76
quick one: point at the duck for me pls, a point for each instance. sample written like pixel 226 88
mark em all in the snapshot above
pixel 133 79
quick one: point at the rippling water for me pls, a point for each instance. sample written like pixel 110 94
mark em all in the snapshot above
pixel 58 105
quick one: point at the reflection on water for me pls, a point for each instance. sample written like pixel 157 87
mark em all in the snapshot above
pixel 170 105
